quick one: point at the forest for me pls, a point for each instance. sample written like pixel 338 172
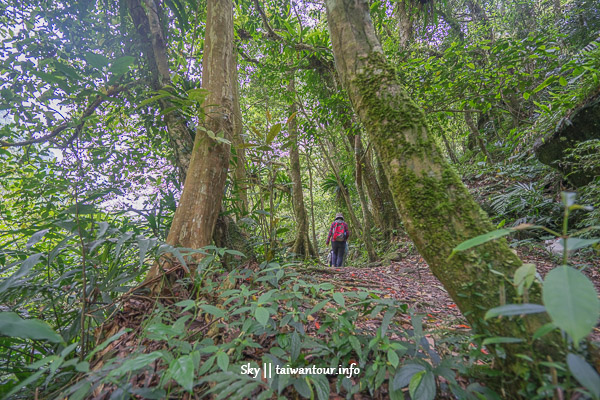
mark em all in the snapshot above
pixel 299 199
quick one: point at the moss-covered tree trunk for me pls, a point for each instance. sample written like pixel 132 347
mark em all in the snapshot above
pixel 437 210
pixel 302 245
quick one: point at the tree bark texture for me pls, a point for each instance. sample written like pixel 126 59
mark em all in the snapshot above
pixel 437 210
pixel 302 245
pixel 200 203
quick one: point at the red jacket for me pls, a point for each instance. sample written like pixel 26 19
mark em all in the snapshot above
pixel 332 229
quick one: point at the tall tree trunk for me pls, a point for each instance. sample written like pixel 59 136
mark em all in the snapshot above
pixel 391 211
pixel 312 205
pixel 406 19
pixel 356 228
pixel 198 209
pixel 302 245
pixel 437 210
pixel 370 182
pixel 152 38
pixel 363 201
pixel 477 135
pixel 241 180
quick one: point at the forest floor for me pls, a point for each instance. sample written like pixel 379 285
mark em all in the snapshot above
pixel 410 281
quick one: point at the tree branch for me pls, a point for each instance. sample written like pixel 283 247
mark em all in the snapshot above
pixel 112 91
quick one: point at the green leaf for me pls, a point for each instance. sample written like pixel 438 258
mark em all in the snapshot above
pixel 385 322
pixel 223 360
pixel 264 297
pixel 182 370
pixel 212 310
pixel 275 129
pixel 121 65
pixel 422 386
pixel 578 243
pixel 405 374
pixel 476 241
pixel 562 81
pixel 262 315
pixel 543 330
pixel 296 346
pixel 339 298
pixel 514 309
pixel 36 237
pixel 26 266
pixel 501 339
pixel 96 60
pixel 526 95
pixel 393 358
pixel 133 364
pixel 302 387
pixel 584 373
pixel 143 244
pixel 322 387
pixel 524 277
pixel 355 344
pixel 471 65
pixel 14 326
pixel 571 301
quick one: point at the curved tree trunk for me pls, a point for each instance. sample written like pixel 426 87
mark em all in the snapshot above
pixel 437 210
pixel 302 245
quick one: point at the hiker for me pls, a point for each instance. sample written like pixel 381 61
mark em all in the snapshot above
pixel 338 235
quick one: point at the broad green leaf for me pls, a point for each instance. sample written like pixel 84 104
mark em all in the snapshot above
pixel 584 373
pixel 143 245
pixel 223 360
pixel 36 237
pixel 212 310
pixel 275 129
pixel 524 277
pixel 422 386
pixel 26 266
pixel 476 241
pixel 322 387
pixel 393 358
pixel 96 60
pixel 578 243
pixel 501 339
pixel 121 65
pixel 514 309
pixel 14 326
pixel 543 330
pixel 526 95
pixel 302 387
pixel 571 301
pixel 355 344
pixel 264 297
pixel 562 81
pixel 296 346
pixel 262 315
pixel 339 298
pixel 385 322
pixel 133 364
pixel 405 374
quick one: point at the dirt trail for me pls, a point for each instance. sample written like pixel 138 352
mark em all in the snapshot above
pixel 410 281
